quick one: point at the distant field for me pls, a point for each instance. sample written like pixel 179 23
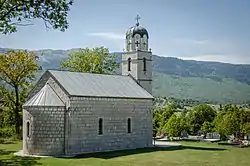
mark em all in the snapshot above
pixel 190 154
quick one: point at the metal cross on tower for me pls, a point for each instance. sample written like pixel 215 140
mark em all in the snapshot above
pixel 137 19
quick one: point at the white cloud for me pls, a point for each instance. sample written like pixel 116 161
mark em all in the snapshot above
pixel 234 59
pixel 114 41
pixel 192 41
pixel 108 35
pixel 220 50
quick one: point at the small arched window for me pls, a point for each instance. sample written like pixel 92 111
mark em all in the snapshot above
pixel 100 131
pixel 129 125
pixel 144 64
pixel 129 64
pixel 28 129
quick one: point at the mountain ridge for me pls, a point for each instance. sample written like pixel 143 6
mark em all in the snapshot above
pixel 174 77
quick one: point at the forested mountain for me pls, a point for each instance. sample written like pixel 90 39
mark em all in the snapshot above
pixel 184 79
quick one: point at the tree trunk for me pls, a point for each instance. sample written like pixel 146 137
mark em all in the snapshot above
pixel 17 118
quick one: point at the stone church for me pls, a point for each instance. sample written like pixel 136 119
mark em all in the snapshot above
pixel 71 113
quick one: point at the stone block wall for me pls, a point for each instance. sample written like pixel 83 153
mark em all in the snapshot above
pixel 46 131
pixel 143 77
pixel 83 120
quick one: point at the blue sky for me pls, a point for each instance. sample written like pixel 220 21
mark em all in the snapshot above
pixel 209 30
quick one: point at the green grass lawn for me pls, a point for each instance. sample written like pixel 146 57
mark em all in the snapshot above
pixel 190 154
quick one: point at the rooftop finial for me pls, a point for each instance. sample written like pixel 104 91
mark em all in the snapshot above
pixel 137 19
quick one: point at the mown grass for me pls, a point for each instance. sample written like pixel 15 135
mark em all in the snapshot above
pixel 189 154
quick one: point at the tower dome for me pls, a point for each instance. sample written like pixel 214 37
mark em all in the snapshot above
pixel 137 29
pixel 136 38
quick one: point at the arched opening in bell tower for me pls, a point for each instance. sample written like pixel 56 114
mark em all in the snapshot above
pixel 144 64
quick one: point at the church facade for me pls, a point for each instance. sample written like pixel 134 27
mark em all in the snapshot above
pixel 71 113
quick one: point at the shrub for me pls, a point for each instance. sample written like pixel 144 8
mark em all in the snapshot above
pixel 7 132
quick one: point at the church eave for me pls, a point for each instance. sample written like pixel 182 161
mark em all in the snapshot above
pixel 114 97
pixel 42 106
pixel 132 52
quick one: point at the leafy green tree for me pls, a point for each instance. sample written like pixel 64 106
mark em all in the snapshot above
pixel 207 127
pixel 96 60
pixel 17 69
pixel 156 119
pixel 229 108
pixel 173 126
pixel 232 120
pixel 246 116
pixel 15 13
pixel 184 122
pixel 7 117
pixel 228 124
pixel 167 112
pixel 218 125
pixel 246 128
pixel 199 115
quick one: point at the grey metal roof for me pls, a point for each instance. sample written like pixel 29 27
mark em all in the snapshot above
pixel 99 85
pixel 45 97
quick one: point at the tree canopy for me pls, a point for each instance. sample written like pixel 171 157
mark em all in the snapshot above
pixel 167 113
pixel 200 114
pixel 232 120
pixel 96 60
pixel 17 69
pixel 173 126
pixel 15 13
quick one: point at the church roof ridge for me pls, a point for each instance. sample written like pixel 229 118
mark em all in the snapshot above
pixel 99 85
pixel 107 74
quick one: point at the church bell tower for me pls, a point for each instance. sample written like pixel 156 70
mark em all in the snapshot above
pixel 137 57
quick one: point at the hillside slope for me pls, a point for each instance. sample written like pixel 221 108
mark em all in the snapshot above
pixel 190 68
pixel 173 77
pixel 198 88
